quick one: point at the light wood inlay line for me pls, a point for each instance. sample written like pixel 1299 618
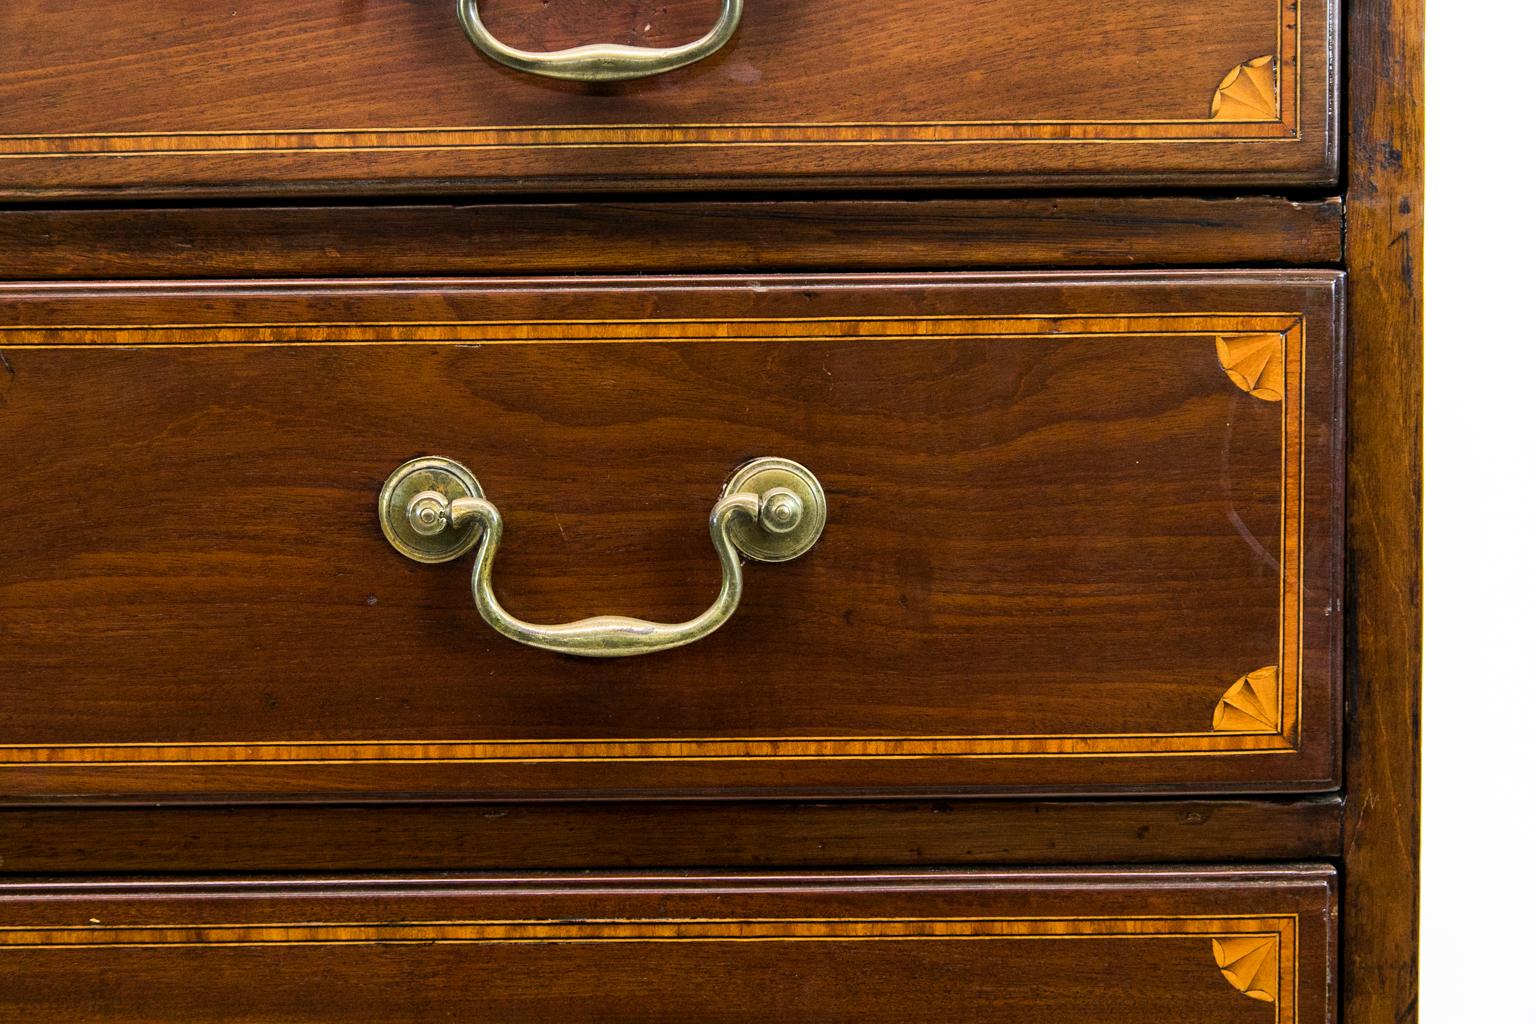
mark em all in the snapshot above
pixel 773 929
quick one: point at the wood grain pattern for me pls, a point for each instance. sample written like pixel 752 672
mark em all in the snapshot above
pixel 123 427
pixel 584 836
pixel 626 236
pixel 1070 625
pixel 1060 947
pixel 1386 239
pixel 390 97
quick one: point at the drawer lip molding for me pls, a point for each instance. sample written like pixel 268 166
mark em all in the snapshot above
pixel 1268 332
pixel 658 835
pixel 1267 933
pixel 662 236
pixel 1240 94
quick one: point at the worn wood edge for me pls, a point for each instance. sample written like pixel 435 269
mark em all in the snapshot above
pixel 1379 926
pixel 502 884
pixel 490 836
pixel 416 287
pixel 1323 174
pixel 661 236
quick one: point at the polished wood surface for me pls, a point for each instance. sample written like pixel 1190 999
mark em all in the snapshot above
pixel 387 97
pixel 753 834
pixel 1033 535
pixel 1082 536
pixel 1386 408
pixel 628 236
pixel 1110 947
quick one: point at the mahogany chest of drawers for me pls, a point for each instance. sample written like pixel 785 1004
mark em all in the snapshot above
pixel 718 511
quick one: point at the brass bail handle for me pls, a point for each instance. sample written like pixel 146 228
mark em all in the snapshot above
pixel 771 510
pixel 600 62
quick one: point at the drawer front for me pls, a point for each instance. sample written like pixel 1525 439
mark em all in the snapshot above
pixel 1081 536
pixel 1223 947
pixel 392 96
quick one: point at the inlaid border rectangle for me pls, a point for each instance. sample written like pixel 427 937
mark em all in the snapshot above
pixel 1284 738
pixel 1283 127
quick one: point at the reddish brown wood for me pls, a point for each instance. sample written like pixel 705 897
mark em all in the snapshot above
pixel 1108 947
pixel 1059 535
pixel 1386 238
pixel 467 837
pixel 389 97
pixel 123 441
pixel 666 236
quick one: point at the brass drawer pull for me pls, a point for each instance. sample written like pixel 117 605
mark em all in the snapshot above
pixel 772 510
pixel 600 62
